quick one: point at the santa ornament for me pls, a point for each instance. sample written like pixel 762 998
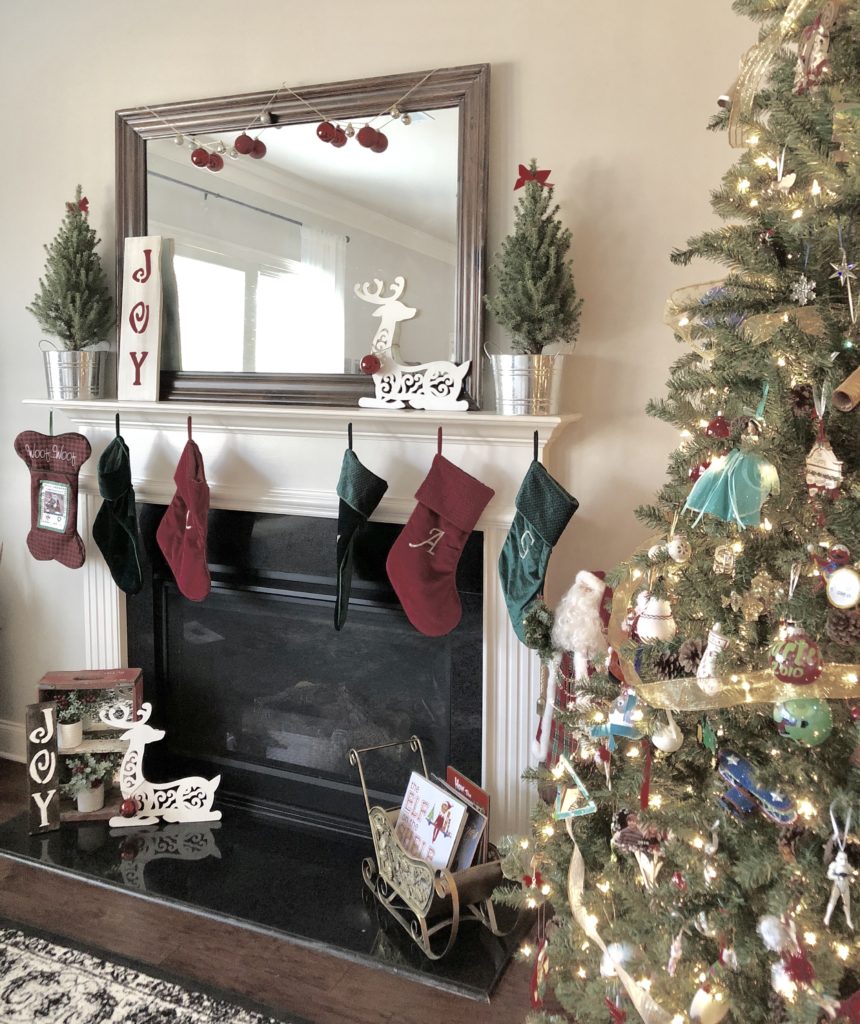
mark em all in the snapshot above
pixel 577 629
pixel 54 462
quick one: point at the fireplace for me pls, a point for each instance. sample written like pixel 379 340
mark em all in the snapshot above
pixel 255 684
pixel 285 460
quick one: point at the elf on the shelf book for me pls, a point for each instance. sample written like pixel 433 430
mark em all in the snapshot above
pixel 430 822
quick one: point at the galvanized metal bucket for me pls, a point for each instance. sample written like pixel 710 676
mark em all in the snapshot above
pixel 528 385
pixel 72 375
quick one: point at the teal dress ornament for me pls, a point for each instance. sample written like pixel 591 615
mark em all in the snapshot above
pixel 735 488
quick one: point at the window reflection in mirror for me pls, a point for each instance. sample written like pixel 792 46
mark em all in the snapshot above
pixel 267 252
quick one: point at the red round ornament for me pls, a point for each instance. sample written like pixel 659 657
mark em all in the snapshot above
pixel 199 157
pixel 259 149
pixel 381 143
pixel 696 471
pixel 367 136
pixel 718 427
pixel 243 144
pixel 325 131
pixel 128 808
pixel 339 138
pixel 370 364
pixel 216 161
pixel 679 881
pixel 795 657
pixel 855 713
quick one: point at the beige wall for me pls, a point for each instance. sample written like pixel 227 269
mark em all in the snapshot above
pixel 613 96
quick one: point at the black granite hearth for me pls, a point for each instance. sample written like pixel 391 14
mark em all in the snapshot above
pixel 267 876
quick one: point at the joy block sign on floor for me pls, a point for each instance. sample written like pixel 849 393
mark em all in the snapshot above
pixel 140 323
pixel 42 768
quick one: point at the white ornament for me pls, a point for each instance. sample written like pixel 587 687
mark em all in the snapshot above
pixel 668 738
pixel 679 549
pixel 706 1008
pixel 803 290
pixel 656 622
pixel 705 673
pixel 823 469
pixel 188 799
pixel 843 587
pixel 434 385
pixel 724 560
pixel 617 955
pixel 774 933
pixel 655 551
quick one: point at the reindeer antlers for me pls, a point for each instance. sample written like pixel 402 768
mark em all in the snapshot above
pixel 120 714
pixel 363 291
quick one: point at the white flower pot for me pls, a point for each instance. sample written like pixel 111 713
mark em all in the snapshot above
pixel 91 799
pixel 69 734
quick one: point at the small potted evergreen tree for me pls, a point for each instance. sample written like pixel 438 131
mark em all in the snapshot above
pixel 535 300
pixel 70 712
pixel 73 306
pixel 86 784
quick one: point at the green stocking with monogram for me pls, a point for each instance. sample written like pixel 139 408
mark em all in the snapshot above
pixel 544 508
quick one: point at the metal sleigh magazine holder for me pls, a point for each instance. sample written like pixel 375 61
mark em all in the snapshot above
pixel 429 903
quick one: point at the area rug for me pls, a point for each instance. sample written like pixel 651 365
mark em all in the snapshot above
pixel 45 983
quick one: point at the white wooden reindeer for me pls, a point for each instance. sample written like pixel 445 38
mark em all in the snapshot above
pixel 434 385
pixel 188 799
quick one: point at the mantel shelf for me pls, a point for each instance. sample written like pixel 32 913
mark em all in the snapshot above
pixel 458 427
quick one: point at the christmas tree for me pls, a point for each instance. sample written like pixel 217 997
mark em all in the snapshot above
pixel 536 297
pixel 73 302
pixel 704 842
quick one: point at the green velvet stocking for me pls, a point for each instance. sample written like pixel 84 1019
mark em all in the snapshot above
pixel 360 491
pixel 115 527
pixel 544 508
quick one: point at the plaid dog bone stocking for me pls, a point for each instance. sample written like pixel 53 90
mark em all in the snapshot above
pixel 54 462
pixel 422 564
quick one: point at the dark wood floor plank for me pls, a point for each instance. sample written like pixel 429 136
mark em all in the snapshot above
pixel 278 973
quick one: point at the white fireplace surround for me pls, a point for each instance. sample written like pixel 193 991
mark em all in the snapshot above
pixel 286 459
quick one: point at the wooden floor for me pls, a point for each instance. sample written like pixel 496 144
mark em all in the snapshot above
pixel 284 977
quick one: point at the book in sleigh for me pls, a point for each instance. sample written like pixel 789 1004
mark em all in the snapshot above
pixel 430 822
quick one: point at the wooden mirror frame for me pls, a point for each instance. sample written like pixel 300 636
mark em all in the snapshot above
pixel 467 88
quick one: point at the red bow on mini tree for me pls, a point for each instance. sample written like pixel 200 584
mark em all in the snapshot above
pixel 82 204
pixel 539 176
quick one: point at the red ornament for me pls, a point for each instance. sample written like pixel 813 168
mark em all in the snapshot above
pixel 855 713
pixel 795 657
pixel 718 427
pixel 679 881
pixel 696 471
pixel 603 753
pixel 325 131
pixel 370 364
pixel 798 968
pixel 367 136
pixel 216 161
pixel 850 1008
pixel 527 881
pixel 339 137
pixel 381 143
pixel 200 158
pixel 84 205
pixel 128 808
pixel 258 150
pixel 244 144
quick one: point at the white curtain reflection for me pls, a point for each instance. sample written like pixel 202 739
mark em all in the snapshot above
pixel 324 275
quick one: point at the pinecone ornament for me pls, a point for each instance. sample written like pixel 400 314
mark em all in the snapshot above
pixel 801 399
pixel 690 654
pixel 667 665
pixel 843 626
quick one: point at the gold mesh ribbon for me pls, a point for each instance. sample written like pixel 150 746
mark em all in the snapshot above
pixel 680 313
pixel 754 67
pixel 763 326
pixel 836 682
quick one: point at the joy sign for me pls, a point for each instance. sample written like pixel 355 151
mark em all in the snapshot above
pixel 42 774
pixel 140 323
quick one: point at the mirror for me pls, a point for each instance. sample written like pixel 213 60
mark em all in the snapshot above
pixel 282 241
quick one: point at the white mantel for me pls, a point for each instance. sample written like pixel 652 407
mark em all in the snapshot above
pixel 286 459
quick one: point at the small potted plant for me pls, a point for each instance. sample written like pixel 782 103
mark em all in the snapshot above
pixel 87 774
pixel 535 300
pixel 70 712
pixel 73 305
